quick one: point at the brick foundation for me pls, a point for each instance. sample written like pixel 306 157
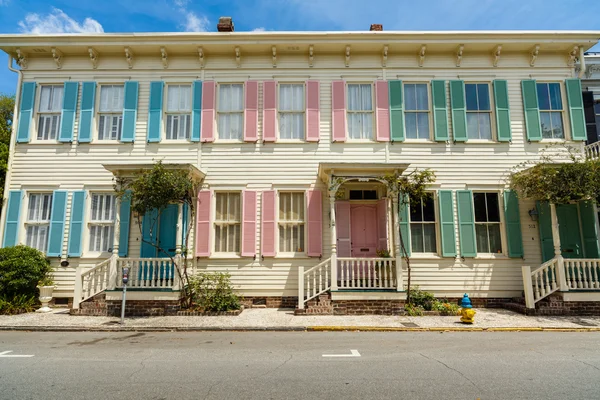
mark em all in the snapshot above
pixel 270 302
pixel 370 307
pixel 143 308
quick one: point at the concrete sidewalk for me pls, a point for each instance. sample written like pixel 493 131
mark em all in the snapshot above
pixel 282 320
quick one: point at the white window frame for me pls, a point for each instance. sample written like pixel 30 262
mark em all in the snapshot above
pixel 27 223
pixel 98 113
pixel 40 114
pixel 291 254
pixel 88 223
pixel 566 128
pixel 429 111
pixel 302 137
pixel 215 222
pixel 372 112
pixel 491 112
pixel 503 239
pixel 168 113
pixel 436 224
pixel 217 112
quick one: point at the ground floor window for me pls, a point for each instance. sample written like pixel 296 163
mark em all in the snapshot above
pixel 487 222
pixel 228 222
pixel 422 225
pixel 37 225
pixel 291 222
pixel 102 222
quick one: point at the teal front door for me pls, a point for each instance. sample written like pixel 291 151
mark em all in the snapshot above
pixel 162 233
pixel 570 231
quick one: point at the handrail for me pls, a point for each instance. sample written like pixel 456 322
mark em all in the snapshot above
pixel 91 282
pixel 593 150
pixel 317 280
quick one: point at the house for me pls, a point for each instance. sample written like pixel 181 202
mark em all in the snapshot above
pixel 590 81
pixel 292 133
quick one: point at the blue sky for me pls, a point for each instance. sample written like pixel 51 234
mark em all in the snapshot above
pixel 49 16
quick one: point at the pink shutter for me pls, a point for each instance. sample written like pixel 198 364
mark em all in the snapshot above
pixel 269 111
pixel 268 230
pixel 251 112
pixel 342 228
pixel 203 224
pixel 382 111
pixel 338 121
pixel 382 226
pixel 249 223
pixel 314 209
pixel 207 130
pixel 312 111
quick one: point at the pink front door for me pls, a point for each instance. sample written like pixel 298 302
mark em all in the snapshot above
pixel 363 223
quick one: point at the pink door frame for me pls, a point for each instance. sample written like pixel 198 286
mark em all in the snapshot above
pixel 363 230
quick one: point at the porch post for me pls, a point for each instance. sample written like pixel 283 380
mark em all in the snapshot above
pixel 112 272
pixel 178 245
pixel 560 271
pixel 334 285
pixel 396 234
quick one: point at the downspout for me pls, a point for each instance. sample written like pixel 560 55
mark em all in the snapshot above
pixel 581 62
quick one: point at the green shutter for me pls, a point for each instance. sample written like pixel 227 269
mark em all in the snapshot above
pixel 459 110
pixel 576 113
pixel 155 111
pixel 589 229
pixel 185 220
pixel 196 111
pixel 466 223
pixel 57 223
pixel 513 224
pixel 125 216
pixel 404 220
pixel 440 111
pixel 76 225
pixel 130 106
pixel 502 110
pixel 86 115
pixel 67 119
pixel 149 234
pixel 531 109
pixel 545 222
pixel 396 111
pixel 26 111
pixel 447 229
pixel 13 212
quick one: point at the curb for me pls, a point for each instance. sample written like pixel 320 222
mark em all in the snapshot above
pixel 445 329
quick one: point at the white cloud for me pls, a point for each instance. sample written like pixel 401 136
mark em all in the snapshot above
pixel 261 29
pixel 192 22
pixel 57 22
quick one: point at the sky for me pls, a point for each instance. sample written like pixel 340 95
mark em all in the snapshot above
pixel 56 16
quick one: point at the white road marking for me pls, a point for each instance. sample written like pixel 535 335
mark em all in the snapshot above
pixel 354 353
pixel 6 355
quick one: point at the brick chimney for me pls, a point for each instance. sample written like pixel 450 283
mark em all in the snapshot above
pixel 376 27
pixel 225 24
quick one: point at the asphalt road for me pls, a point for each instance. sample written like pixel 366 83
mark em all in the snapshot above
pixel 290 365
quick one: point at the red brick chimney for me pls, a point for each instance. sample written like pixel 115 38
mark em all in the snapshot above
pixel 376 27
pixel 225 24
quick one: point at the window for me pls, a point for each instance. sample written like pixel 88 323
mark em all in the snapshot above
pixel 291 111
pixel 550 101
pixel 422 226
pixel 111 112
pixel 228 223
pixel 102 222
pixel 38 221
pixel 360 111
pixel 416 111
pixel 597 111
pixel 231 111
pixel 49 112
pixel 479 111
pixel 179 111
pixel 487 222
pixel 291 222
pixel 363 195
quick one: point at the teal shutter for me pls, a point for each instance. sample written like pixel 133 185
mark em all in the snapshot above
pixel 13 212
pixel 396 111
pixel 26 111
pixel 57 223
pixel 545 222
pixel 513 224
pixel 130 105
pixel 502 110
pixel 531 109
pixel 125 214
pixel 196 110
pixel 86 115
pixel 67 119
pixel 466 223
pixel 149 234
pixel 403 219
pixel 440 111
pixel 576 113
pixel 447 233
pixel 459 110
pixel 185 218
pixel 76 225
pixel 155 111
pixel 589 229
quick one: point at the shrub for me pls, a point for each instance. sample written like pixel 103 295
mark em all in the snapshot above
pixel 421 298
pixel 21 268
pixel 413 310
pixel 446 308
pixel 212 291
pixel 18 304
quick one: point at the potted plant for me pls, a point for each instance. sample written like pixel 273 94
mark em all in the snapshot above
pixel 46 287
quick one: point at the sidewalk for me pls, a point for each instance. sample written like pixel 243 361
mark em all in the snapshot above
pixel 284 320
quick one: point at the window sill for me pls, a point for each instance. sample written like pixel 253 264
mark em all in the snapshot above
pixel 426 256
pixel 225 256
pixel 291 141
pixel 47 142
pixel 491 256
pixel 481 141
pixel 360 141
pixel 97 254
pixel 428 141
pixel 229 141
pixel 174 141
pixel 292 255
pixel 552 140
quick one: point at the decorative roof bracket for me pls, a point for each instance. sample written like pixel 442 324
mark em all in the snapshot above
pixel 129 57
pixel 572 56
pixel 347 56
pixel 422 55
pixel 459 54
pixel 274 50
pixel 201 56
pixel 57 55
pixel 93 57
pixel 164 57
pixel 21 59
pixel 534 54
pixel 496 54
pixel 384 56
pixel 311 55
pixel 238 57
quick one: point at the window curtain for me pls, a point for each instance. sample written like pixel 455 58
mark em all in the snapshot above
pixel 360 125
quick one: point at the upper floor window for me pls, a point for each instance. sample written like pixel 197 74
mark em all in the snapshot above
pixel 360 111
pixel 291 111
pixel 291 222
pixel 422 225
pixel 110 113
pixel 416 111
pixel 487 222
pixel 479 111
pixel 102 222
pixel 49 112
pixel 37 225
pixel 228 222
pixel 551 108
pixel 179 111
pixel 231 111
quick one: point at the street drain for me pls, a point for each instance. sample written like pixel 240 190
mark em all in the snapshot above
pixel 409 325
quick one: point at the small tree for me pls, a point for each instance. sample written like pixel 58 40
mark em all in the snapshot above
pixel 7 106
pixel 155 189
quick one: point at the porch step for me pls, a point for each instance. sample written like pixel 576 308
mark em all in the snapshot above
pixel 320 305
pixel 94 306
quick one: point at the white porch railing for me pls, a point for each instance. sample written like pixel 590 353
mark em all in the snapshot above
pixel 582 273
pixel 366 273
pixel 91 282
pixel 313 282
pixel 542 282
pixel 156 273
pixel 593 150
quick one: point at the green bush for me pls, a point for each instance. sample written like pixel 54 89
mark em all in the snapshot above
pixel 445 308
pixel 421 298
pixel 413 311
pixel 212 291
pixel 18 304
pixel 21 268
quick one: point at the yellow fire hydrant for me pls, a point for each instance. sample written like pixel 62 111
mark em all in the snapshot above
pixel 467 312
